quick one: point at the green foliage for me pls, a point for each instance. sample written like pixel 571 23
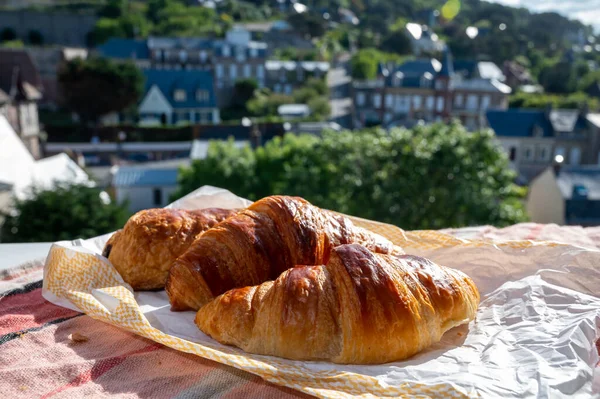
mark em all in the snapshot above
pixel 97 86
pixel 541 101
pixel 177 19
pixel 243 91
pixel 429 177
pixel 64 213
pixel 364 63
pixel 13 44
pixel 397 42
pixel 319 108
pixel 308 24
pixel 112 9
pixel 265 103
pixel 294 54
pixel 558 78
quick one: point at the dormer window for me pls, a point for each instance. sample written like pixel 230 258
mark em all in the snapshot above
pixel 183 56
pixel 203 56
pixel 179 95
pixel 253 52
pixel 538 131
pixel 201 95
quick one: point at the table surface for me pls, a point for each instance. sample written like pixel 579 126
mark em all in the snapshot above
pixel 36 338
pixel 12 255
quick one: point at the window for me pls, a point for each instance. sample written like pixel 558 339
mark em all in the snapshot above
pixel 157 196
pixel 201 95
pixel 183 56
pixel 575 156
pixel 247 71
pixel 430 103
pixel 179 95
pixel 203 56
pixel 277 88
pixel 538 131
pixel 440 84
pixel 440 104
pixel 253 52
pixel 417 102
pixel 287 89
pixel 485 102
pixel 360 98
pixel 472 101
pixel 226 51
pixel 458 101
pixel 389 101
pixel 233 71
pixel 544 154
pixel 260 71
pixel 512 155
pixel 377 100
pixel 240 54
pixel 219 71
pixel 529 153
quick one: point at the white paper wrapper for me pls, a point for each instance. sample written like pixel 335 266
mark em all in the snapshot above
pixel 534 335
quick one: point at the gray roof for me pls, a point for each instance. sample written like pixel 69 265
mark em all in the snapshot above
pixel 140 176
pixel 589 177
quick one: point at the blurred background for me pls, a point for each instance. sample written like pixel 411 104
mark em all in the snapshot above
pixel 426 114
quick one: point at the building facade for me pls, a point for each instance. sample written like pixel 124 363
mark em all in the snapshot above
pixel 20 92
pixel 178 97
pixel 533 139
pixel 429 90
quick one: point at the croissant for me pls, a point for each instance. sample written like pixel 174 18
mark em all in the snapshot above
pixel 361 308
pixel 257 245
pixel 144 250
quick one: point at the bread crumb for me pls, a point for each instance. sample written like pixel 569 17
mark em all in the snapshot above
pixel 76 337
pixel 460 334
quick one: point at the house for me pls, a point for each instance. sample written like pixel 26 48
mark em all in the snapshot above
pixel 230 59
pixel 423 40
pixel 20 92
pixel 429 90
pixel 567 195
pixel 147 186
pixel 277 35
pixel 19 171
pixel 176 96
pixel 534 138
pixel 285 76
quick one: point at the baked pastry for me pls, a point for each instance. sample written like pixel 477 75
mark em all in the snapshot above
pixel 144 250
pixel 257 245
pixel 361 308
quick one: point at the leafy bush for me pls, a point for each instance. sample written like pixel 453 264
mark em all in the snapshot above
pixel 65 213
pixel 429 177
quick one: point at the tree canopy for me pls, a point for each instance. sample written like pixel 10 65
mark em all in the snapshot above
pixel 63 213
pixel 420 178
pixel 98 86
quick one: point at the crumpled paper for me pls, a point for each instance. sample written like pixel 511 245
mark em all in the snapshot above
pixel 533 336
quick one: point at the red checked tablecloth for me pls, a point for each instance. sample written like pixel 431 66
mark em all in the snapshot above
pixel 48 351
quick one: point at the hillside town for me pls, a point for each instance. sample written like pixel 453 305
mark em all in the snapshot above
pixel 258 80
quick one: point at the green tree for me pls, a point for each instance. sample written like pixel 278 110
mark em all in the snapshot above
pixel 243 91
pixel 98 86
pixel 308 24
pixel 558 78
pixel 106 28
pixel 63 213
pixel 112 9
pixel 397 42
pixel 428 177
pixel 319 108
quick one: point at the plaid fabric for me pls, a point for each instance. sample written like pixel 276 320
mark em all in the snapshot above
pixel 38 359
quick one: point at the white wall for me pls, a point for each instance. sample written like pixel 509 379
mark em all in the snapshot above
pixel 143 197
pixel 545 203
pixel 155 103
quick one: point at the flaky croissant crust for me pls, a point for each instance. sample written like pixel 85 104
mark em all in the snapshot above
pixel 361 308
pixel 257 245
pixel 147 246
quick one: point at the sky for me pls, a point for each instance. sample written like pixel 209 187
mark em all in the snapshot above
pixel 587 11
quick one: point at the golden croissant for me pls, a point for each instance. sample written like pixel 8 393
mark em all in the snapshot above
pixel 257 245
pixel 145 249
pixel 361 308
